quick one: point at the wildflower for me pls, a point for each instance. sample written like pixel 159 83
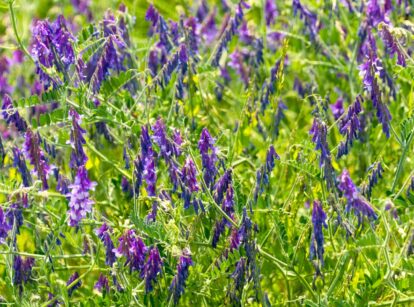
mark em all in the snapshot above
pixel 14 217
pixel 230 31
pixel 228 208
pixel 318 220
pixel 263 173
pixel 310 19
pixel 189 184
pixel 221 185
pixel 52 47
pixel 34 154
pixel 355 201
pixel 375 14
pixel 103 233
pixel 319 132
pixel 133 249
pixel 152 268
pixel 239 278
pixel 369 70
pixel 237 63
pixel 71 285
pixel 208 154
pixel 12 116
pixel 5 226
pixel 78 156
pixel 202 11
pixel 350 126
pixel 108 60
pixel 337 108
pixel 389 207
pixel 278 117
pixel 102 283
pixel 147 156
pixel 63 185
pixel 138 171
pixel 208 29
pixel 80 204
pixel 22 271
pixel 20 163
pixel 83 7
pixel 375 173
pixel 392 45
pixel 178 283
pixel 152 15
pixel 270 12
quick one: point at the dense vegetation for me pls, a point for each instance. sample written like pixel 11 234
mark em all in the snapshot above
pixel 205 153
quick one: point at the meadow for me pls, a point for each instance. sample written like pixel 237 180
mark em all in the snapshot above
pixel 206 153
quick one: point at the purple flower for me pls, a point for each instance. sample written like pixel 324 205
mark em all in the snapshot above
pixel 319 133
pixel 237 63
pixel 103 233
pixel 263 173
pixel 20 163
pixel 337 108
pixel 22 271
pixel 78 157
pixel 80 204
pixel 270 12
pixel 375 173
pixel 152 15
pixel 369 70
pixel 83 7
pixel 75 286
pixel 14 217
pixel 245 34
pixel 52 46
pixel 5 227
pixel 11 115
pixel 178 283
pixel 228 208
pixel 208 153
pixel 355 201
pixel 133 249
pixel 239 279
pixel 310 19
pixel 108 60
pixel 392 45
pixel 34 154
pixel 318 220
pixel 222 185
pixel 280 114
pixel 208 29
pixel 350 126
pixel 102 283
pixel 230 30
pixel 63 185
pixel 189 184
pixel 375 14
pixel 151 269
pixel 138 171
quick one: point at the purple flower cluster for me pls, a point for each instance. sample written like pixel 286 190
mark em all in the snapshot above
pixel 152 268
pixel 337 108
pixel 22 271
pixel 12 116
pixel 263 173
pixel 34 154
pixel 375 173
pixel 318 220
pixel 319 133
pixel 392 45
pixel 310 19
pixel 369 70
pixel 5 227
pixel 169 150
pixel 133 249
pixel 178 283
pixel 103 233
pixel 20 163
pixel 78 157
pixel 71 285
pixel 102 284
pixel 208 152
pixel 355 201
pixel 52 47
pixel 350 126
pixel 239 279
pixel 189 184
pixel 270 12
pixel 231 30
pixel 80 204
